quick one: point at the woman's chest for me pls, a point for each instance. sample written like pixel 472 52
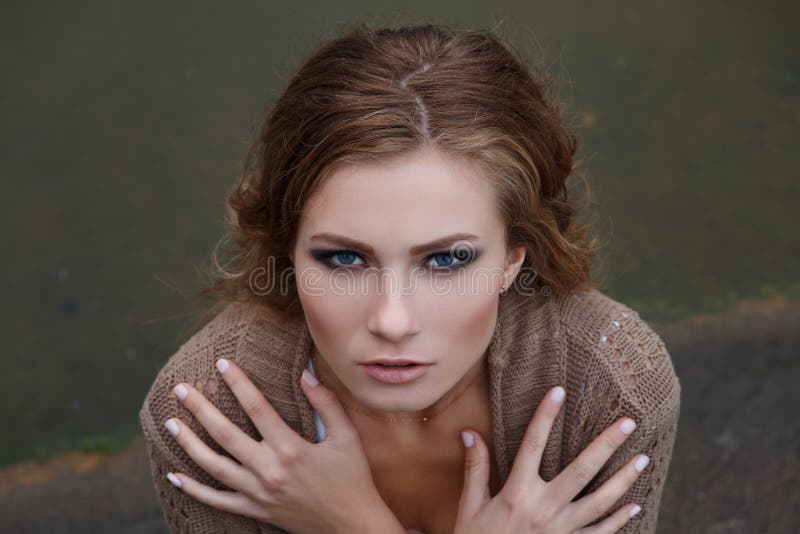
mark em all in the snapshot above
pixel 422 496
pixel 421 481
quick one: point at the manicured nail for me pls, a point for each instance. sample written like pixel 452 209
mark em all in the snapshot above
pixel 557 395
pixel 180 391
pixel 468 439
pixel 172 426
pixel 310 379
pixel 641 462
pixel 172 478
pixel 627 426
pixel 635 510
pixel 222 365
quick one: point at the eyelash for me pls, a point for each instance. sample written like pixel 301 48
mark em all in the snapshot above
pixel 325 257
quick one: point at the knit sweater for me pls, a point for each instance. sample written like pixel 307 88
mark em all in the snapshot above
pixel 610 362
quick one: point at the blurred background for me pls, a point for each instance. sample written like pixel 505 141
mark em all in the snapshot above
pixel 125 124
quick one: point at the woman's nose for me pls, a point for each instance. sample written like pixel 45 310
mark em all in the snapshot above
pixel 392 317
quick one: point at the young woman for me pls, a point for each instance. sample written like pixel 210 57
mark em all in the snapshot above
pixel 404 242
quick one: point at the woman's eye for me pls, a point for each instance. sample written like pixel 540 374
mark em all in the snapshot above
pixel 448 259
pixel 345 258
pixel 439 261
pixel 442 260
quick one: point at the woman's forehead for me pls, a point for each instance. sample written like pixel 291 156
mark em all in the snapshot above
pixel 417 182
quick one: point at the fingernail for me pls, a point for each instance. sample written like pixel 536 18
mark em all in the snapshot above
pixel 641 462
pixel 222 365
pixel 180 391
pixel 627 426
pixel 310 379
pixel 172 426
pixel 468 439
pixel 635 510
pixel 557 395
pixel 172 478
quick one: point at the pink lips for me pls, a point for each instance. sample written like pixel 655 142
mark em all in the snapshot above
pixel 396 374
pixel 390 361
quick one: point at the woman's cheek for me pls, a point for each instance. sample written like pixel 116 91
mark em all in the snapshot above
pixel 473 327
pixel 321 313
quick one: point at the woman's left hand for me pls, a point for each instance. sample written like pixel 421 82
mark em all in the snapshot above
pixel 283 479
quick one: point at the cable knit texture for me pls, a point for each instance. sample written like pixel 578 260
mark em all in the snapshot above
pixel 610 361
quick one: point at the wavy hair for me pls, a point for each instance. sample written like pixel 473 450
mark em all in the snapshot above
pixel 372 93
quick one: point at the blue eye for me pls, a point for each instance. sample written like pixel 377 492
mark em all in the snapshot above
pixel 347 258
pixel 455 258
pixel 445 255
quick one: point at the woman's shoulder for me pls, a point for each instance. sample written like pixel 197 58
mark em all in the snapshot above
pixel 601 344
pixel 242 332
pixel 224 336
pixel 617 365
pixel 614 354
pixel 193 362
pixel 218 338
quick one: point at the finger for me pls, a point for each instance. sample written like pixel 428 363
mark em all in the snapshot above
pixel 218 466
pixel 229 436
pixel 614 522
pixel 580 472
pixel 596 504
pixel 531 448
pixel 266 420
pixel 475 492
pixel 330 410
pixel 228 501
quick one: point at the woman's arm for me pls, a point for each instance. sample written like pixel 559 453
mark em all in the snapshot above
pixel 183 513
pixel 192 362
pixel 630 374
pixel 655 437
pixel 325 487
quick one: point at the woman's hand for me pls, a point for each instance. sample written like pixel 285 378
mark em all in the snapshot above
pixel 283 480
pixel 528 504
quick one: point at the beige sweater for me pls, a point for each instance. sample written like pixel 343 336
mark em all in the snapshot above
pixel 609 360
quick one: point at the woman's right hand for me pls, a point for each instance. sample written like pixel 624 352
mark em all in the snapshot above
pixel 528 504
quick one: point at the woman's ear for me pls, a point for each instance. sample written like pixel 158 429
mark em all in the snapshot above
pixel 514 260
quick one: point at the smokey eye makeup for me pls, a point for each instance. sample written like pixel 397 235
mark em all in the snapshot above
pixel 444 260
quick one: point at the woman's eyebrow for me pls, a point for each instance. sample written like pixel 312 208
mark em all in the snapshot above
pixel 442 242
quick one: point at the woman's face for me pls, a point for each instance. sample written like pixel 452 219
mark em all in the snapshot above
pixel 435 305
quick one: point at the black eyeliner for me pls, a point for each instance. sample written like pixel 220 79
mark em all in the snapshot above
pixel 324 256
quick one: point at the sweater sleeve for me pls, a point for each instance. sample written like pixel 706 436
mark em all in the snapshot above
pixel 630 374
pixel 194 363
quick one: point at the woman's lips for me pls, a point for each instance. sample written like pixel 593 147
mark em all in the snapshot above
pixel 396 374
pixel 389 360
